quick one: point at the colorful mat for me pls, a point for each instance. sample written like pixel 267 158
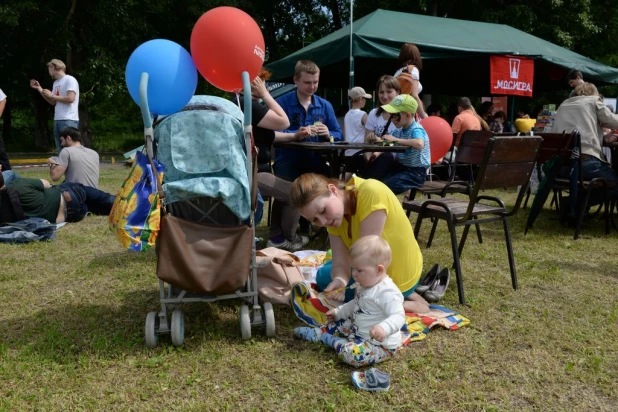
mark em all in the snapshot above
pixel 310 306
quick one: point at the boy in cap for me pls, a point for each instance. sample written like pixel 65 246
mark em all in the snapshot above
pixel 410 167
pixel 354 127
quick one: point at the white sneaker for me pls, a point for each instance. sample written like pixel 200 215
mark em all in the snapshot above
pixel 297 244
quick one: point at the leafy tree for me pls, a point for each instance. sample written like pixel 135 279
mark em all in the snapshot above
pixel 96 37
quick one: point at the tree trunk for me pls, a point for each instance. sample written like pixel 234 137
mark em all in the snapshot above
pixel 74 60
pixel 270 32
pixel 67 37
pixel 334 8
pixel 84 124
pixel 41 119
pixel 434 7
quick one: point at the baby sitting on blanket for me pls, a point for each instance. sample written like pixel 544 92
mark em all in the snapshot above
pixel 365 330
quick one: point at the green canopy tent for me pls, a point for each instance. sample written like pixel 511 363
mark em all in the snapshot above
pixel 455 54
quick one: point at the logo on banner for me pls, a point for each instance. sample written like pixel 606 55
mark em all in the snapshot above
pixel 510 75
pixel 514 66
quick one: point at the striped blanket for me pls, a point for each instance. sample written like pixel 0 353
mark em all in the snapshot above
pixel 310 306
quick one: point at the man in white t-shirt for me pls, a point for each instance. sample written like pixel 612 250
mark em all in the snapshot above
pixel 64 96
pixel 77 163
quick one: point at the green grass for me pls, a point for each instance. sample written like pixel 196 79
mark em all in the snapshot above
pixel 106 143
pixel 117 142
pixel 73 311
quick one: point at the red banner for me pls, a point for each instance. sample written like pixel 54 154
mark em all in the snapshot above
pixel 511 75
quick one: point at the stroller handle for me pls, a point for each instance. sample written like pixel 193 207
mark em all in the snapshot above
pixel 246 84
pixel 143 100
pixel 143 105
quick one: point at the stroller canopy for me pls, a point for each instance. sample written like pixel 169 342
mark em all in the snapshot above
pixel 203 150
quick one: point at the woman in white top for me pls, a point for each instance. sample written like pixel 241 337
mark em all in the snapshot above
pixel 410 55
pixel 388 88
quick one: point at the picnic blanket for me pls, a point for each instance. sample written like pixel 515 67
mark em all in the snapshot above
pixel 310 306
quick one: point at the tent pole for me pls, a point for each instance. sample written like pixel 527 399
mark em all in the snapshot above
pixel 512 107
pixel 351 45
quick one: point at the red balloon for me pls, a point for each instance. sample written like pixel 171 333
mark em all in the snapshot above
pixel 440 136
pixel 225 42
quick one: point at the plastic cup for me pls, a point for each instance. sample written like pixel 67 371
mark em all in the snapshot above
pixel 307 273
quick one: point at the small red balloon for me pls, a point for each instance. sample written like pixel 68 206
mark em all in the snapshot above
pixel 225 42
pixel 440 136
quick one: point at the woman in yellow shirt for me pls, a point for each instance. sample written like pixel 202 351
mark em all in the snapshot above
pixel 356 209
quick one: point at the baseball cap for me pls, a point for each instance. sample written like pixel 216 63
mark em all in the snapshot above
pixel 402 103
pixel 356 93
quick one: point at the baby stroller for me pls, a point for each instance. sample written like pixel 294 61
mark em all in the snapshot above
pixel 209 197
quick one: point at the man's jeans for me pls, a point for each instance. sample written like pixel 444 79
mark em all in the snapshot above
pixel 9 176
pixel 308 163
pixel 591 168
pixel 81 199
pixel 59 125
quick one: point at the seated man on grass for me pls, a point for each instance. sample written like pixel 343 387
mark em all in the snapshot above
pixel 67 202
pixel 77 163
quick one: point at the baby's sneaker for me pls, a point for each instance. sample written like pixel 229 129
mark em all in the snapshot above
pixel 373 380
pixel 308 333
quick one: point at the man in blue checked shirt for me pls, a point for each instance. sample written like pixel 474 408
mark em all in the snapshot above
pixel 312 119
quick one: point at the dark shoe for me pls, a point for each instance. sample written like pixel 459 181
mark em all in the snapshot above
pixel 297 244
pixel 438 288
pixel 428 280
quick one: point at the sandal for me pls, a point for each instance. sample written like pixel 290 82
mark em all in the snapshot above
pixel 371 380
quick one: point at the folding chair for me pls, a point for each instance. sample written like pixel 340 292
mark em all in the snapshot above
pixel 475 141
pixel 554 144
pixel 443 187
pixel 506 162
pixel 587 187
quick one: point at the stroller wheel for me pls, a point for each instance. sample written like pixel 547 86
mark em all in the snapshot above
pixel 152 327
pixel 178 328
pixel 269 314
pixel 245 322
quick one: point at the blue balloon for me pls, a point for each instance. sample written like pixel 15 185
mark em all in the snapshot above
pixel 172 75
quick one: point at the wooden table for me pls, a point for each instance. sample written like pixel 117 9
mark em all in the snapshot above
pixel 335 150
